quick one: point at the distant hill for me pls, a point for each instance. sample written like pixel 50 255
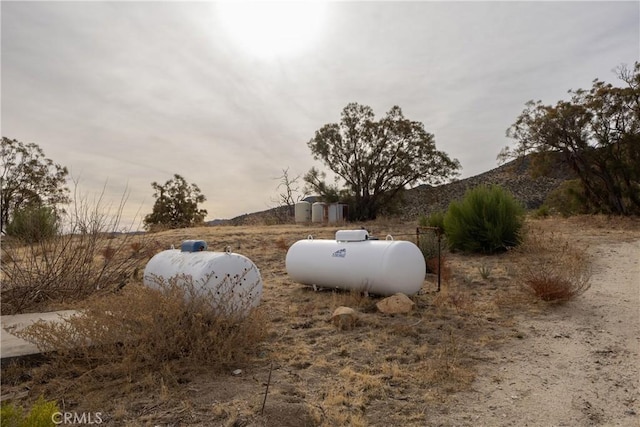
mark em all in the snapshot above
pixel 515 176
pixel 218 222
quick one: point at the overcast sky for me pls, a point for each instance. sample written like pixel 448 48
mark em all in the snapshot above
pixel 127 93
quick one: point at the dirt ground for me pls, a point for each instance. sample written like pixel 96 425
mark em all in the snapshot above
pixel 571 364
pixel 576 365
pixel 479 353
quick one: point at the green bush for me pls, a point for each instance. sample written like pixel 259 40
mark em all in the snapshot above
pixel 33 224
pixel 487 220
pixel 542 212
pixel 41 414
pixel 428 242
pixel 568 199
pixel 436 219
pixel 428 245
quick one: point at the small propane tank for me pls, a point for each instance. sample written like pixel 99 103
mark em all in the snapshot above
pixel 356 261
pixel 231 280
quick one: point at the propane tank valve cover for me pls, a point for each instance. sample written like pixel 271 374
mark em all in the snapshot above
pixel 193 246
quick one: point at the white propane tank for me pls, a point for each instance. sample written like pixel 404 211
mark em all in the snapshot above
pixel 231 280
pixel 354 261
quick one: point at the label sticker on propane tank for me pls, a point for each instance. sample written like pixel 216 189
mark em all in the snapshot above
pixel 340 253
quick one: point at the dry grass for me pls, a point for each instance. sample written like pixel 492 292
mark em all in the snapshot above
pixel 387 370
pixel 281 244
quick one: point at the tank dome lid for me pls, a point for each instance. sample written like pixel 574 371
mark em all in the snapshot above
pixel 352 235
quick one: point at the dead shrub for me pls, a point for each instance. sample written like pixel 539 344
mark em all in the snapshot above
pixel 83 260
pixel 108 253
pixel 63 269
pixel 146 328
pixel 551 288
pixel 554 269
pixel 448 299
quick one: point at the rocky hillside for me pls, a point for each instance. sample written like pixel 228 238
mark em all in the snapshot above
pixel 514 176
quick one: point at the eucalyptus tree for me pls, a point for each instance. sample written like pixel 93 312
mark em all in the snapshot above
pixel 29 180
pixel 597 133
pixel 376 159
pixel 176 205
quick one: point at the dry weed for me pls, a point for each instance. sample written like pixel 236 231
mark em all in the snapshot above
pixel 555 269
pixel 352 298
pixel 281 244
pixel 345 403
pixel 449 298
pixel 136 247
pixel 148 327
pixel 445 367
pixel 460 301
pixel 444 268
pixel 108 253
pixel 64 269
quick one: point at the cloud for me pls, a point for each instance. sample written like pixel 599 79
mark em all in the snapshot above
pixel 135 92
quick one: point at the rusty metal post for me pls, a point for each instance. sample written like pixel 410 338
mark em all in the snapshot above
pixel 439 256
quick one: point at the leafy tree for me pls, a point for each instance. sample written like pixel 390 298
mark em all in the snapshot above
pixel 598 134
pixel 28 178
pixel 377 159
pixel 33 223
pixel 330 193
pixel 176 204
pixel 568 199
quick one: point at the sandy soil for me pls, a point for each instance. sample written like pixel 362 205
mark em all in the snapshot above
pixel 576 365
